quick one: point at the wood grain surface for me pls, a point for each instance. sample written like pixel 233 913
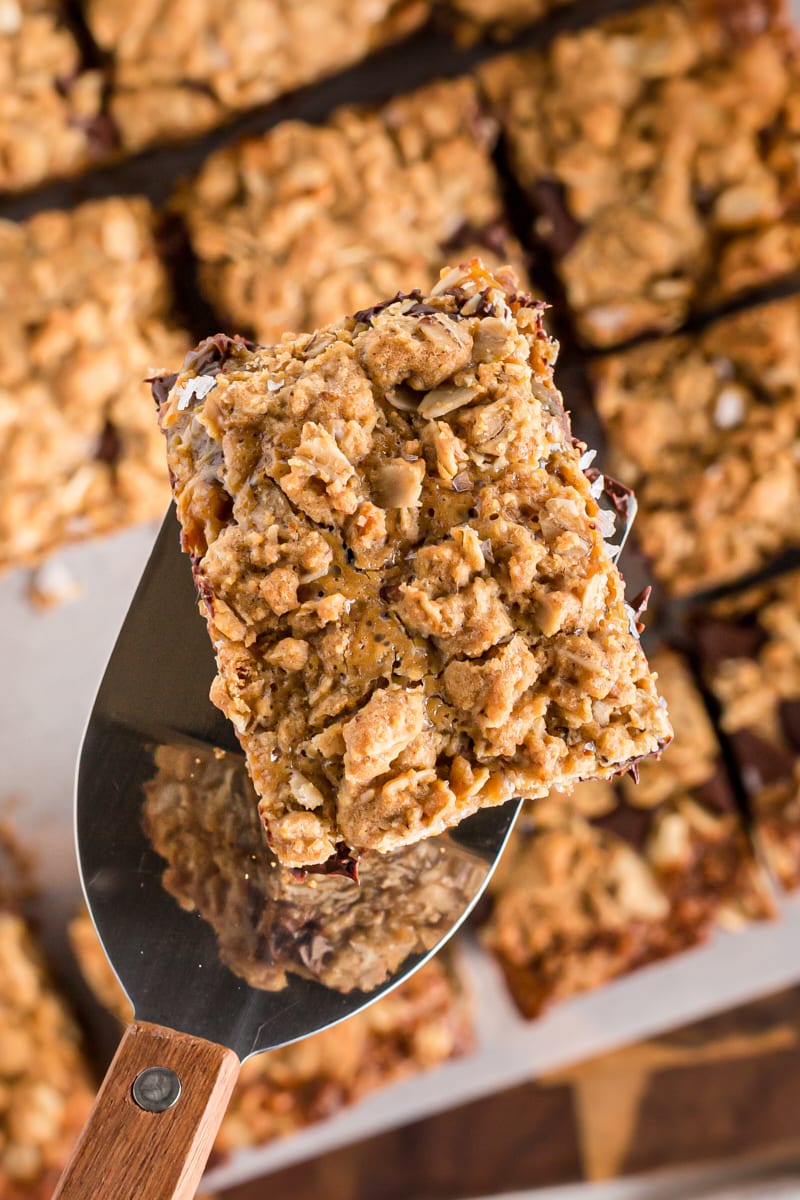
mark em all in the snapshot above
pixel 722 1090
pixel 126 1153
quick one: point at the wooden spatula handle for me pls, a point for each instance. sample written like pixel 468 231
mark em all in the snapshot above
pixel 128 1153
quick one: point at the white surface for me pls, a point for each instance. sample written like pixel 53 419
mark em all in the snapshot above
pixel 53 663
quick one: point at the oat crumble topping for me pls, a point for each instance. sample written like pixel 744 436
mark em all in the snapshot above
pixel 294 228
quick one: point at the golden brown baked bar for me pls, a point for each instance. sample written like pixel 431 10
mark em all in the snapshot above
pixel 422 1023
pixel 403 567
pixel 201 815
pixel 622 875
pixel 84 307
pixel 51 120
pixel 294 228
pixel 660 152
pixel 182 66
pixel 46 1090
pixel 706 428
pixel 751 653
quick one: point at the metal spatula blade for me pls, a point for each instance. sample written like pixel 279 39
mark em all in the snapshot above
pixel 191 1006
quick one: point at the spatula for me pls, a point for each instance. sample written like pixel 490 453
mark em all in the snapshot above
pixel 196 1018
pixel 198 1011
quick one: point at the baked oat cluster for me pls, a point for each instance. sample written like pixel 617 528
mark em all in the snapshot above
pixel 500 18
pixel 182 66
pixel 423 1022
pixel 706 428
pixel 403 567
pixel 307 222
pixel 660 150
pixel 751 651
pixel 201 815
pixel 618 875
pixel 51 120
pixel 45 1087
pixel 84 305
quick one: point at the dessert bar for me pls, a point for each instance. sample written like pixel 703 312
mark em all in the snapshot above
pixel 307 222
pixel 659 150
pixel 84 305
pixel 51 118
pixel 404 569
pixel 619 875
pixel 706 428
pixel 751 653
pixel 46 1090
pixel 179 67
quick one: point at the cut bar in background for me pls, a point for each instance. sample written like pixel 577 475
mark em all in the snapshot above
pixel 619 875
pixel 750 648
pixel 85 312
pixel 46 1090
pixel 298 227
pixel 705 428
pixel 51 121
pixel 659 153
pixel 178 68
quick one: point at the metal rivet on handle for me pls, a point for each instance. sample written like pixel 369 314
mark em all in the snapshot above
pixel 156 1089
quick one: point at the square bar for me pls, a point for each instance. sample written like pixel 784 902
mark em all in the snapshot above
pixel 751 652
pixel 51 118
pixel 307 222
pixel 45 1082
pixel 403 568
pixel 659 150
pixel 706 429
pixel 84 304
pixel 179 67
pixel 620 875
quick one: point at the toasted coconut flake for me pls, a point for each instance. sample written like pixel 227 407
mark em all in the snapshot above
pixel 198 387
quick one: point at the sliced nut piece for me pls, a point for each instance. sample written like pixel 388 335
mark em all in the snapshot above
pixel 451 278
pixel 443 400
pixel 318 343
pixel 490 338
pixel 398 483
